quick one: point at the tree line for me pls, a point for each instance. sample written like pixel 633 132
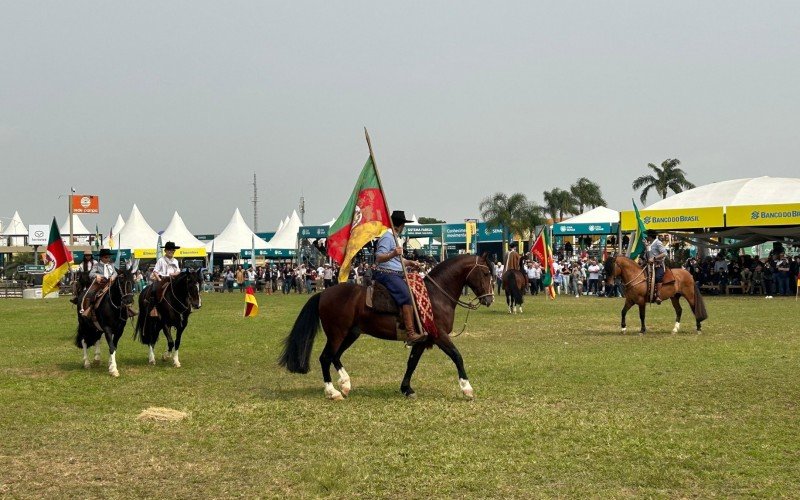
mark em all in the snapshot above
pixel 521 216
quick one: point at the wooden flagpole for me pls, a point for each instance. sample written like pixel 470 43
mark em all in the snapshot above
pixel 391 227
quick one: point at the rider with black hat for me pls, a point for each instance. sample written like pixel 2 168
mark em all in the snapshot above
pixel 389 273
pixel 100 274
pixel 167 265
pixel 656 255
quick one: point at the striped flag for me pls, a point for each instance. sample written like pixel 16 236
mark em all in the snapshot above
pixel 58 260
pixel 250 303
pixel 544 252
pixel 638 243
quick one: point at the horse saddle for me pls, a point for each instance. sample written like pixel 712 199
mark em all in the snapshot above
pixel 380 300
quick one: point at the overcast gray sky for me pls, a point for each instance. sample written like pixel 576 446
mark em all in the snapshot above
pixel 174 105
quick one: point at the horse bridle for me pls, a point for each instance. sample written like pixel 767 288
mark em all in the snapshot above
pixel 634 278
pixel 472 304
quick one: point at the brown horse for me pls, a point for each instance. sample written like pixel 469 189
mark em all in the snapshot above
pixel 677 282
pixel 514 282
pixel 344 316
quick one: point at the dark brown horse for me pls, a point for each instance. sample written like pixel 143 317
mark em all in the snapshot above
pixel 344 316
pixel 514 282
pixel 677 283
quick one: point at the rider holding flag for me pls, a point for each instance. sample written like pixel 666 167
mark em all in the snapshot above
pixel 656 255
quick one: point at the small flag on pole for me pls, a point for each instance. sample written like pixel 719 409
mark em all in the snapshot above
pixel 544 252
pixel 250 303
pixel 110 239
pixel 638 243
pixel 58 260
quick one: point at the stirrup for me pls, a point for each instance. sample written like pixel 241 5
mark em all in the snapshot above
pixel 420 337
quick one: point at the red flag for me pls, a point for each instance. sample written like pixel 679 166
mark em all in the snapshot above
pixel 58 260
pixel 250 303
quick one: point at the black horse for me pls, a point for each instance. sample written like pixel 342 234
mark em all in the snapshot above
pixel 174 305
pixel 514 283
pixel 111 315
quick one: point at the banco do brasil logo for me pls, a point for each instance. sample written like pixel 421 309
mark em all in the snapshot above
pixel 646 220
pixel 754 214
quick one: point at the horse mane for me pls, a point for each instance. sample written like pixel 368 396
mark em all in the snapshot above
pixel 447 269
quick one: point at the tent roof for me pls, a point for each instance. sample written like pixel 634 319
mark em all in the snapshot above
pixel 755 191
pixel 236 236
pixel 177 232
pixel 15 227
pixel 77 226
pixel 136 233
pixel 287 236
pixel 118 225
pixel 594 216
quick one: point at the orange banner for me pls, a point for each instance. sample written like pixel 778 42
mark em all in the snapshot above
pixel 85 204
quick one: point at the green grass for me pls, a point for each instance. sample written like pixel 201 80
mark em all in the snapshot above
pixel 566 406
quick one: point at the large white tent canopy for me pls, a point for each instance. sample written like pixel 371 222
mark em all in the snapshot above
pixel 755 191
pixel 78 229
pixel 15 231
pixel 177 232
pixel 286 238
pixel 236 236
pixel 136 233
pixel 597 215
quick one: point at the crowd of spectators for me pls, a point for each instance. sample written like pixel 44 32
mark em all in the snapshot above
pixel 775 274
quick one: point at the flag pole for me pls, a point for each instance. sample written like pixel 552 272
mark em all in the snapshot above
pixel 391 227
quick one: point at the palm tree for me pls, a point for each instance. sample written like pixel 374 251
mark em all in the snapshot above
pixel 587 193
pixel 560 203
pixel 668 177
pixel 500 210
pixel 527 218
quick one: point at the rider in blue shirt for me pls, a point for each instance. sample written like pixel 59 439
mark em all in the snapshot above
pixel 389 273
pixel 656 254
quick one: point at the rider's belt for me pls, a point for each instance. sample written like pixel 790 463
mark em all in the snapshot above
pixel 389 271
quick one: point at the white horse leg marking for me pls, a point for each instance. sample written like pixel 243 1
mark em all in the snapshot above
pixel 166 356
pixel 97 352
pixel 112 365
pixel 175 361
pixel 332 393
pixel 466 388
pixel 86 363
pixel 151 356
pixel 344 382
pixel 677 327
pixel 624 329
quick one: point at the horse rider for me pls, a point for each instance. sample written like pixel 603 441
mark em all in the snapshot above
pixel 389 273
pixel 166 266
pixel 101 275
pixel 85 268
pixel 513 258
pixel 656 255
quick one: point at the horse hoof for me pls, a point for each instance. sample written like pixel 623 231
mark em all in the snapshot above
pixel 114 373
pixel 623 330
pixel 166 356
pixel 469 395
pixel 151 362
pixel 336 397
pixel 345 387
pixel 96 362
pixel 177 364
pixel 87 365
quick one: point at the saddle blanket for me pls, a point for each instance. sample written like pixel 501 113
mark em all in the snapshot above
pixel 417 284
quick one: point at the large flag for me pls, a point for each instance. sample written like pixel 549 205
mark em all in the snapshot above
pixel 544 252
pixel 110 239
pixel 364 217
pixel 250 303
pixel 638 242
pixel 59 259
pixel 98 238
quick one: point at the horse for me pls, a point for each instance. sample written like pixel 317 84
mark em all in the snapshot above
pixel 677 283
pixel 344 316
pixel 514 282
pixel 174 307
pixel 110 317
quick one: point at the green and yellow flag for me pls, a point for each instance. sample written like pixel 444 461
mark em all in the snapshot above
pixel 364 217
pixel 57 261
pixel 638 243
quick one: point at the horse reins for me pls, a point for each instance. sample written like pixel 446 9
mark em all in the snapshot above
pixel 469 306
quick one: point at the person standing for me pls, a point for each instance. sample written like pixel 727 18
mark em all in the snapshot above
pixel 240 278
pixel 594 276
pixel 230 278
pixel 782 266
pixel 499 268
pixel 656 255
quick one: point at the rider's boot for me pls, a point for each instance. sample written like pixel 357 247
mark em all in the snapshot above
pixel 408 320
pixel 657 294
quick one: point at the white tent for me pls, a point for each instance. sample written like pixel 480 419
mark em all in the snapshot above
pixel 755 191
pixel 136 233
pixel 286 238
pixel 597 215
pixel 78 229
pixel 177 232
pixel 118 225
pixel 280 226
pixel 236 236
pixel 15 232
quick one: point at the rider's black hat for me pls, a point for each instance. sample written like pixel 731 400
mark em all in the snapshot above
pixel 652 233
pixel 170 246
pixel 104 252
pixel 399 218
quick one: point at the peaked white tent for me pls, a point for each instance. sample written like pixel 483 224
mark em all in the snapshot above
pixel 118 225
pixel 280 226
pixel 15 232
pixel 176 231
pixel 286 238
pixel 79 231
pixel 236 236
pixel 136 233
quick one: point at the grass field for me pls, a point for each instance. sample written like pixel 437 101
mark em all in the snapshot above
pixel 566 406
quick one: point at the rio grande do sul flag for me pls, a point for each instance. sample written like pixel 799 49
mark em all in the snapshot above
pixel 250 303
pixel 542 250
pixel 364 217
pixel 58 260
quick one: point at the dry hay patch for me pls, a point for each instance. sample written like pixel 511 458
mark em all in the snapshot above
pixel 161 414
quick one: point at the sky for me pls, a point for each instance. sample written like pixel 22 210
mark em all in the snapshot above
pixel 175 105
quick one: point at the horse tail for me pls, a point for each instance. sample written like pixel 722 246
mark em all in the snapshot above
pixel 297 345
pixel 147 327
pixel 514 289
pixel 700 312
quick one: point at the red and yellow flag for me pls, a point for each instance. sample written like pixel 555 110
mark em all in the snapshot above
pixel 364 217
pixel 250 303
pixel 544 252
pixel 57 262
